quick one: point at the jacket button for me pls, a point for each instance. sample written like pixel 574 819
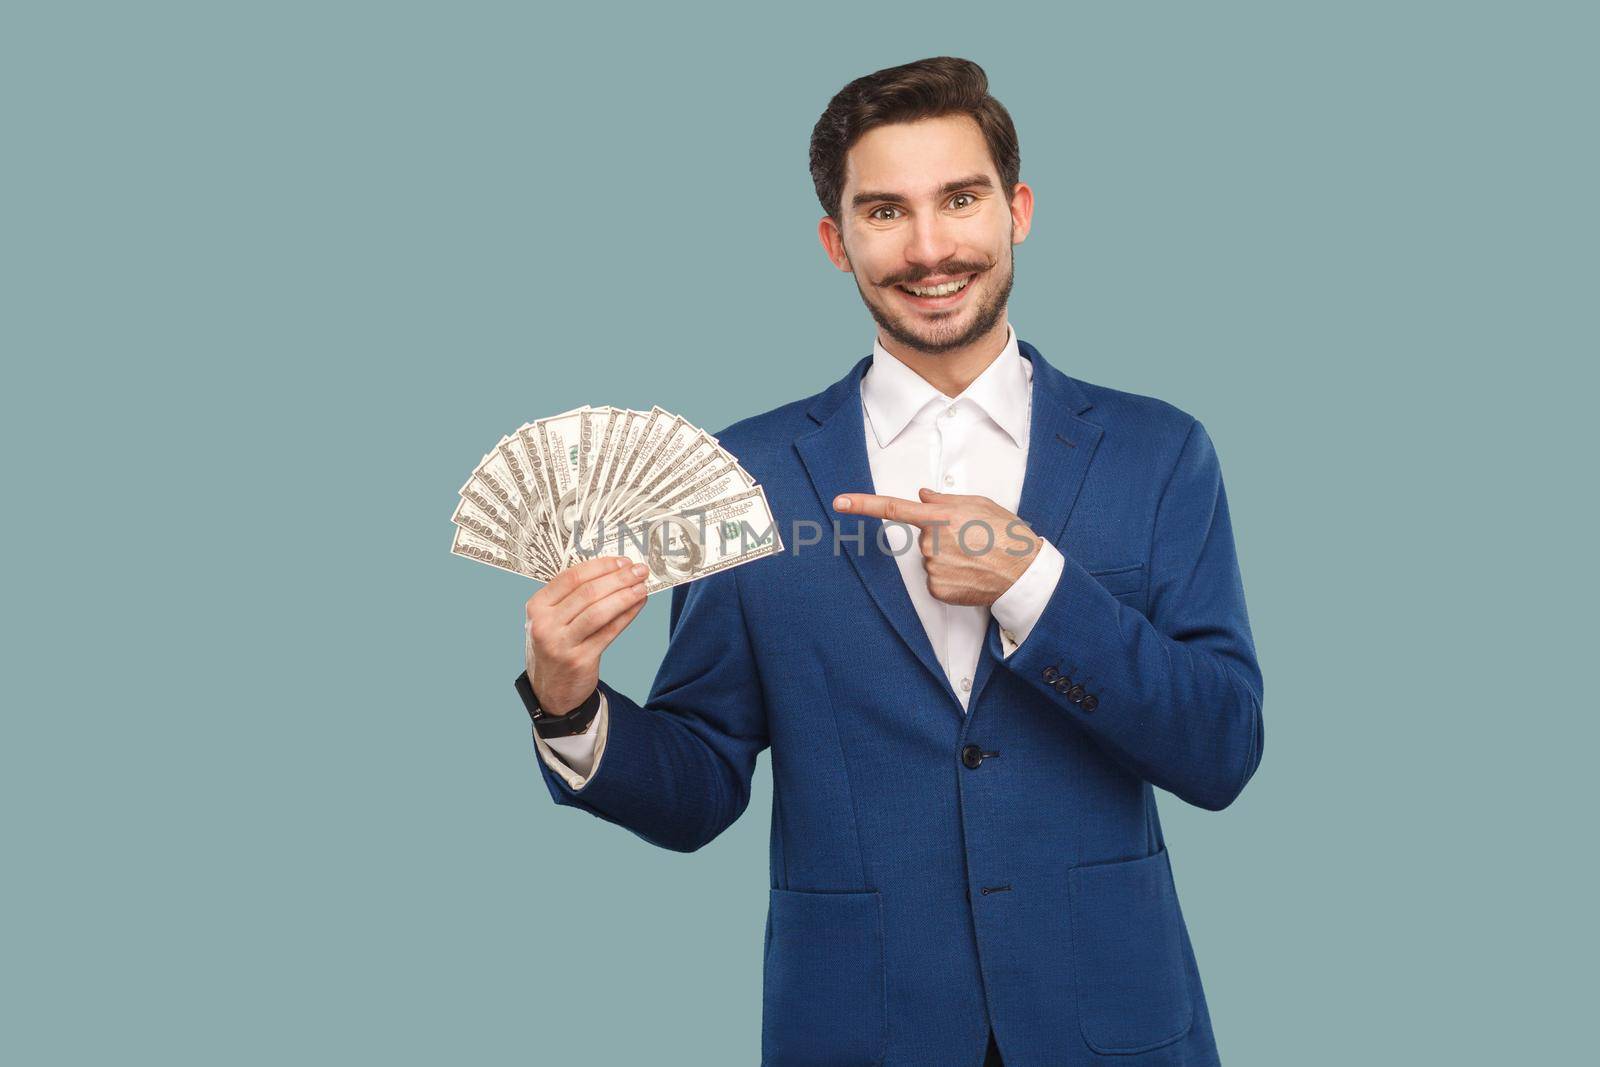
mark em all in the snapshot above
pixel 1062 684
pixel 1089 703
pixel 971 755
pixel 1076 694
pixel 1051 674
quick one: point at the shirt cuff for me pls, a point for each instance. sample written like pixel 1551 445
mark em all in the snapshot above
pixel 576 757
pixel 1019 607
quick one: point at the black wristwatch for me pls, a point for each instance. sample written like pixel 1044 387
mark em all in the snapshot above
pixel 573 722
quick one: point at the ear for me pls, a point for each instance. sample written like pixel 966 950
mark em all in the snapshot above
pixel 833 243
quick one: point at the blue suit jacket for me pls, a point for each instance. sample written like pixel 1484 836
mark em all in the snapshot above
pixel 919 897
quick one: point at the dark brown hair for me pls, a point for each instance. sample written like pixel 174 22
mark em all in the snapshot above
pixel 928 88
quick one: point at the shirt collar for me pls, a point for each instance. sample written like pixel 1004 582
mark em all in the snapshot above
pixel 894 394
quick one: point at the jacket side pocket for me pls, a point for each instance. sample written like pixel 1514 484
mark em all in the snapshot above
pixel 1132 983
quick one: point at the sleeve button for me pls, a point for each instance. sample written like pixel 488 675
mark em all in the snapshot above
pixel 1089 703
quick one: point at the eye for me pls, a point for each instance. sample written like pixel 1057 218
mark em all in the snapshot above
pixel 873 214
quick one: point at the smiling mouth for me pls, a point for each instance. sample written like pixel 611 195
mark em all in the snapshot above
pixel 938 296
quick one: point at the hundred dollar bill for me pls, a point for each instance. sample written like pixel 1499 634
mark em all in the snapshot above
pixel 655 442
pixel 492 489
pixel 602 425
pixel 693 464
pixel 711 481
pixel 597 441
pixel 714 484
pixel 605 498
pixel 470 545
pixel 679 547
pixel 560 436
pixel 527 437
pixel 676 435
pixel 471 517
pixel 643 432
pixel 694 453
pixel 536 519
pixel 614 453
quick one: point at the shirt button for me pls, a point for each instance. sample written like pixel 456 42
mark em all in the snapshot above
pixel 949 479
pixel 950 412
pixel 966 684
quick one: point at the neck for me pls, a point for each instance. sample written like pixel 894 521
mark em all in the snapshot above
pixel 952 371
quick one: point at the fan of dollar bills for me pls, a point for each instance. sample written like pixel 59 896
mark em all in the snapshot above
pixel 604 481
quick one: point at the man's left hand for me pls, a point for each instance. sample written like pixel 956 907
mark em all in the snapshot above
pixel 972 548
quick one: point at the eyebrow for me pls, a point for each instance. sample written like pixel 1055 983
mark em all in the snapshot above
pixel 975 181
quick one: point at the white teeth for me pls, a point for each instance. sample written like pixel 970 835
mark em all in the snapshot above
pixel 939 290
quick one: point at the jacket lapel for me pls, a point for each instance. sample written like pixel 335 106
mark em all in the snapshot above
pixel 835 458
pixel 1060 448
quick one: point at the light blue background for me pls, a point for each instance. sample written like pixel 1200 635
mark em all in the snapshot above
pixel 276 275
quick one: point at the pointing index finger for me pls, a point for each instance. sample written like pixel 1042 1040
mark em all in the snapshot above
pixel 888 507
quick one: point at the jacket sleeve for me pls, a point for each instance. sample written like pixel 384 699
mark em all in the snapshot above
pixel 677 769
pixel 1176 697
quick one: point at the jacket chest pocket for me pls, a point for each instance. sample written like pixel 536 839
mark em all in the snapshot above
pixel 824 991
pixel 1127 940
pixel 1126 583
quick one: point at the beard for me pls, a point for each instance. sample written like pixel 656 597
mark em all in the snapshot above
pixel 929 337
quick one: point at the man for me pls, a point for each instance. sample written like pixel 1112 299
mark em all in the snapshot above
pixel 966 857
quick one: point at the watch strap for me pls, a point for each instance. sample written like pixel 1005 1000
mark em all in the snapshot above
pixel 573 722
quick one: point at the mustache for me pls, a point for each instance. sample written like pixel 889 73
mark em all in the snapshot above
pixel 946 271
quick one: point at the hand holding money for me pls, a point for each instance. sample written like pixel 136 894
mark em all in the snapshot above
pixel 572 621
pixel 607 506
pixel 605 481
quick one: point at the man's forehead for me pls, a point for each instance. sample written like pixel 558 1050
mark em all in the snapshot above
pixel 917 159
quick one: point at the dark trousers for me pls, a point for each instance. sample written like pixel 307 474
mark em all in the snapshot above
pixel 991 1058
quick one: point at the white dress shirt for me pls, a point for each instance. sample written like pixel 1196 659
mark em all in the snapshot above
pixel 916 436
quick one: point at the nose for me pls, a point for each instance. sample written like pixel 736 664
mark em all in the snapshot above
pixel 931 242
